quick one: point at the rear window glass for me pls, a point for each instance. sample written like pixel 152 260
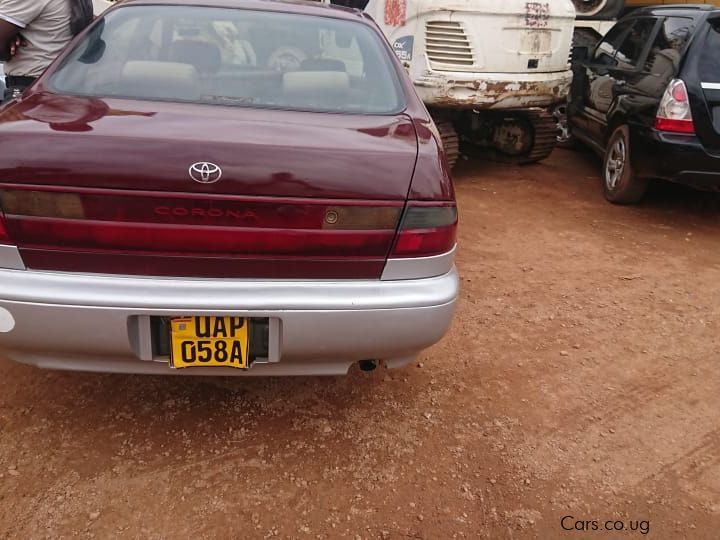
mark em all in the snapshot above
pixel 675 33
pixel 233 57
pixel 605 51
pixel 630 53
pixel 667 48
pixel 710 57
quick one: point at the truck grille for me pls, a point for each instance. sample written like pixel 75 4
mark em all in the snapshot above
pixel 447 46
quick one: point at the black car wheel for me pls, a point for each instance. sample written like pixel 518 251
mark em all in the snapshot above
pixel 565 137
pixel 621 185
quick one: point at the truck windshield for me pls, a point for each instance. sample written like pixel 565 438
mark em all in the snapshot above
pixel 233 57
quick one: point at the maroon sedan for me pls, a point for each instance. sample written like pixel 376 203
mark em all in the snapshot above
pixel 219 184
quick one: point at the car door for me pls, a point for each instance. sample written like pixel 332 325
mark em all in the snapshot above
pixel 616 58
pixel 589 76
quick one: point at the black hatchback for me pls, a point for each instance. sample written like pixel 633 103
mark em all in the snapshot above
pixel 647 98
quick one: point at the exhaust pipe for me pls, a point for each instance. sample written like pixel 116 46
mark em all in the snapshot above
pixel 367 365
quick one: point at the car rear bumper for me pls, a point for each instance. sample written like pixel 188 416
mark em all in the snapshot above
pixel 97 323
pixel 678 158
pixel 492 90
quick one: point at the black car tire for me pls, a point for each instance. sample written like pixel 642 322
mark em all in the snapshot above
pixel 620 183
pixel 565 138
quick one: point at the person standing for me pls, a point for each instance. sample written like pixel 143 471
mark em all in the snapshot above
pixel 32 34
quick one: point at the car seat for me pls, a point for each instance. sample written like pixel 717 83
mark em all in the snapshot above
pixel 168 80
pixel 322 64
pixel 205 56
pixel 316 88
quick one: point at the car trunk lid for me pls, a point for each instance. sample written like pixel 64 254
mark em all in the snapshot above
pixel 132 187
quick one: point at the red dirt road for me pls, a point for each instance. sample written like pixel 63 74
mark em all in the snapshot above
pixel 580 379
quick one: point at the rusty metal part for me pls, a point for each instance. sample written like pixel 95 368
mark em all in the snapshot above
pixel 513 136
pixel 443 91
pixel 519 137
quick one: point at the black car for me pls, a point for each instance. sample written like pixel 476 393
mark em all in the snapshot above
pixel 647 98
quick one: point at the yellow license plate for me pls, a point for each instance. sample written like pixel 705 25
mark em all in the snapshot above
pixel 209 341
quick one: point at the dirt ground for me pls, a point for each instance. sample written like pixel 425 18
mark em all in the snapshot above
pixel 580 381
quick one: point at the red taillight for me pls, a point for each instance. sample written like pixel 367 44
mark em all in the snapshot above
pixel 176 239
pixel 181 234
pixel 4 237
pixel 426 230
pixel 674 114
pixel 153 233
pixel 675 126
pixel 679 92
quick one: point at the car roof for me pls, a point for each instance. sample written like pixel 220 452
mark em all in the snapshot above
pixel 691 10
pixel 308 7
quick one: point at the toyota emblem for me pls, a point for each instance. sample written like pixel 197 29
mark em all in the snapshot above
pixel 205 172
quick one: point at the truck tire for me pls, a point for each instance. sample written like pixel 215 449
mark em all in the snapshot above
pixel 620 184
pixel 450 141
pixel 584 37
pixel 598 9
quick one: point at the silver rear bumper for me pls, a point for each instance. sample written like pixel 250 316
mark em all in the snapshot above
pixel 90 322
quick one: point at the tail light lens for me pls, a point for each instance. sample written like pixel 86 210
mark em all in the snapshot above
pixel 69 221
pixel 426 229
pixel 172 234
pixel 109 231
pixel 4 237
pixel 674 114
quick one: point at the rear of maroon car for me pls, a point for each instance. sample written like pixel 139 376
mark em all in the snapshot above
pixel 285 211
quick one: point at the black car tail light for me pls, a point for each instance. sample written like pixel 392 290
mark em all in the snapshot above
pixel 674 114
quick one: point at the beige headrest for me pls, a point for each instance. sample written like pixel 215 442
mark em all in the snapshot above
pixel 161 79
pixel 328 83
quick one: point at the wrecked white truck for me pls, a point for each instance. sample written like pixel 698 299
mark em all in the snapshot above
pixel 491 72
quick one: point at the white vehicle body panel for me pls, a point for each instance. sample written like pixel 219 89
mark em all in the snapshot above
pixel 481 53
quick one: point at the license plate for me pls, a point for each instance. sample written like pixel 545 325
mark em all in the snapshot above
pixel 209 341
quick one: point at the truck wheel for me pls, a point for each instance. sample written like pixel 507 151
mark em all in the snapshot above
pixel 621 185
pixel 589 8
pixel 450 140
pixel 612 10
pixel 585 37
pixel 524 137
pixel 517 137
pixel 598 9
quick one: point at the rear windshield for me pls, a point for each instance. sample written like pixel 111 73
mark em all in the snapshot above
pixel 710 57
pixel 233 57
